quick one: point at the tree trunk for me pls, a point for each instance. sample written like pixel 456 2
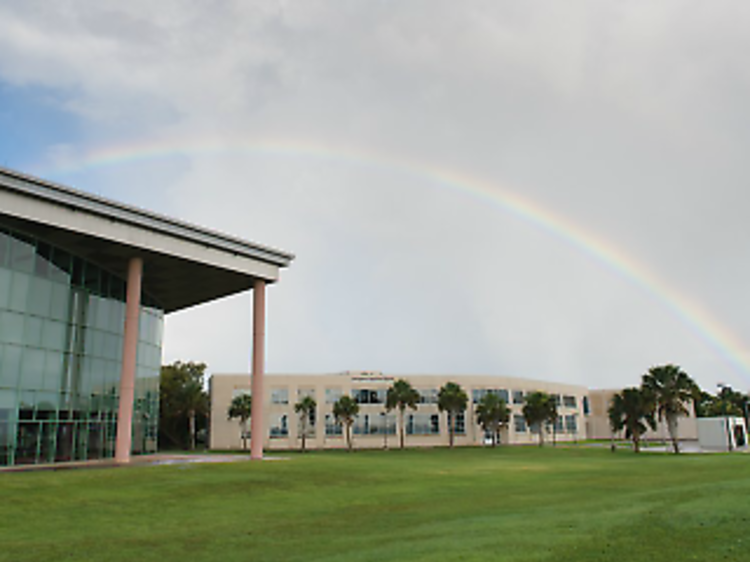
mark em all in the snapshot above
pixel 672 428
pixel 192 429
pixel 304 432
pixel 349 436
pixel 541 435
pixel 401 427
pixel 243 429
pixel 637 443
pixel 452 428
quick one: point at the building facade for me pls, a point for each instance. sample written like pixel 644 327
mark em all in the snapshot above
pixel 85 283
pixel 375 427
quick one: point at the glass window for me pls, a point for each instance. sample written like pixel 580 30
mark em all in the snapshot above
pixel 39 297
pixel 332 395
pixel 18 292
pixel 11 366
pixel 280 396
pixel 361 425
pixel 33 369
pixel 569 401
pixel 12 327
pixel 423 424
pixel 428 395
pixel 519 423
pixel 518 397
pixel 571 424
pixel 460 426
pixel 53 335
pixel 305 392
pixel 32 331
pixel 4 250
pixel 59 301
pixel 333 429
pixel 21 253
pixel 279 426
pixel 5 281
pixel 586 410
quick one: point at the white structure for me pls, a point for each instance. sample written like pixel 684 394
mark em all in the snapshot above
pixel 724 433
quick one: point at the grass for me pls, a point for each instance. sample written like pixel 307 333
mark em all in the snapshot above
pixel 519 503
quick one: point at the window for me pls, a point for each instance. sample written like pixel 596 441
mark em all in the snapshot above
pixel 280 396
pixel 305 392
pixel 369 395
pixel 586 409
pixel 519 424
pixel 333 429
pixel 332 395
pixel 423 424
pixel 571 424
pixel 361 425
pixel 478 393
pixel 383 423
pixel 569 401
pixel 518 397
pixel 559 424
pixel 428 395
pixel 556 398
pixel 460 422
pixel 279 426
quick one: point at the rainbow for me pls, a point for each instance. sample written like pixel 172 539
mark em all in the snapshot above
pixel 700 321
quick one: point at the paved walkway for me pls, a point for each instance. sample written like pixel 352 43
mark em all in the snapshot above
pixel 136 460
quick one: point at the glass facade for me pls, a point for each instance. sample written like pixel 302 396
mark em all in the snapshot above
pixel 61 335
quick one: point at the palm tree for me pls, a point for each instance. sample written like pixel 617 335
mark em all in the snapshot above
pixel 492 413
pixel 345 409
pixel 538 410
pixel 629 409
pixel 400 395
pixel 452 399
pixel 241 407
pixel 303 408
pixel 671 389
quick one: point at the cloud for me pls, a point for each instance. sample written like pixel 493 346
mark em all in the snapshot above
pixel 627 119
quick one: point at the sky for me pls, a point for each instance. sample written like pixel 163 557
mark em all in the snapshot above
pixel 545 190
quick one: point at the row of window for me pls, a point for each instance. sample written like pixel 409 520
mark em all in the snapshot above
pixel 280 395
pixel 563 424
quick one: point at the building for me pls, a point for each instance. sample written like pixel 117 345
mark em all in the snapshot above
pixel 374 427
pixel 85 283
pixel 597 422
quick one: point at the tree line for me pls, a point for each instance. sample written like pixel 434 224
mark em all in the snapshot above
pixel 665 393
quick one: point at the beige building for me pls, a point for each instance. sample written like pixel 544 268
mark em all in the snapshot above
pixel 597 422
pixel 376 428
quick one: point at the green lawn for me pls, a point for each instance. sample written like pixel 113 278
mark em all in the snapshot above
pixel 517 503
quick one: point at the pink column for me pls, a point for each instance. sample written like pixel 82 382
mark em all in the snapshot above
pixel 257 433
pixel 129 350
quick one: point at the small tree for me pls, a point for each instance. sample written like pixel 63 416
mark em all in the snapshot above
pixel 671 389
pixel 452 399
pixel 304 407
pixel 400 395
pixel 345 409
pixel 492 413
pixel 538 410
pixel 183 402
pixel 241 407
pixel 628 410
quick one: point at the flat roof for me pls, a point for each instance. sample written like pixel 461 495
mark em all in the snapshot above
pixel 184 264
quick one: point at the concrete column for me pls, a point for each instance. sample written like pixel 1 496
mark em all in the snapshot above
pixel 257 429
pixel 129 351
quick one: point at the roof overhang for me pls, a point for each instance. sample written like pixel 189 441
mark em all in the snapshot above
pixel 184 265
